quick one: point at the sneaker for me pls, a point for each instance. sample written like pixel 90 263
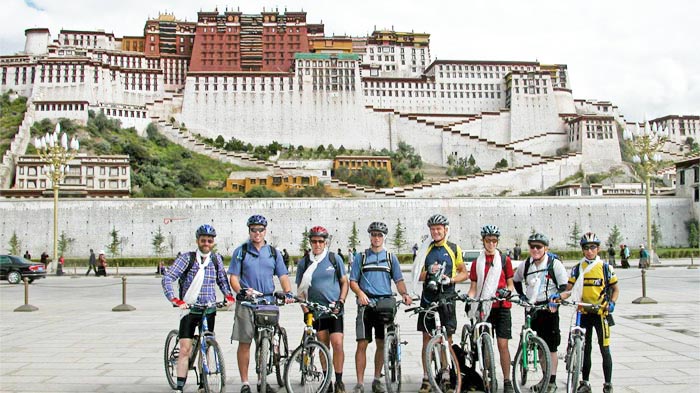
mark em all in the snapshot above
pixel 378 387
pixel 245 389
pixel 607 388
pixel 424 387
pixel 359 388
pixel 339 387
pixel 268 389
pixel 551 387
pixel 584 387
pixel 507 386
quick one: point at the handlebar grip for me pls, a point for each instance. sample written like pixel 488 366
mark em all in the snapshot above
pixel 411 309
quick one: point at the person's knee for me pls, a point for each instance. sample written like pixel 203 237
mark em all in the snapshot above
pixel 362 346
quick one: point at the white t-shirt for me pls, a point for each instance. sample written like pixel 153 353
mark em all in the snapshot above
pixel 546 286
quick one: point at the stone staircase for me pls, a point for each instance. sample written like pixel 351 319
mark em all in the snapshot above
pixel 18 147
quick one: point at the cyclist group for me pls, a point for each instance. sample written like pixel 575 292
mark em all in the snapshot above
pixel 321 278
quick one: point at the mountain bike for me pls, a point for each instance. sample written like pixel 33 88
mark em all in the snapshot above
pixel 206 358
pixel 440 360
pixel 532 357
pixel 271 346
pixel 477 344
pixel 574 348
pixel 310 366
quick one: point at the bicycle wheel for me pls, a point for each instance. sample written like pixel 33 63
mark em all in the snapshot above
pixel 443 369
pixel 392 363
pixel 488 364
pixel 213 370
pixel 281 355
pixel 171 353
pixel 534 364
pixel 573 364
pixel 308 369
pixel 263 361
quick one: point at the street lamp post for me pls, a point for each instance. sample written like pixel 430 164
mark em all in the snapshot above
pixel 646 145
pixel 55 150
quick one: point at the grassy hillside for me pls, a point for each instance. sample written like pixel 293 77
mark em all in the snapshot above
pixel 159 168
pixel 11 116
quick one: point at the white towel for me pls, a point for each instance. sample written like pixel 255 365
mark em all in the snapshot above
pixel 534 289
pixel 305 283
pixel 577 290
pixel 486 286
pixel 203 260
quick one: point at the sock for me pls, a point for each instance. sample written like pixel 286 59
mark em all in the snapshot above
pixel 181 382
pixel 338 377
pixel 552 379
pixel 246 383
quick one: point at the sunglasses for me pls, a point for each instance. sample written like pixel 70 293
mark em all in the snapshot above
pixel 317 241
pixel 536 246
pixel 257 230
pixel 590 247
pixel 208 241
pixel 492 241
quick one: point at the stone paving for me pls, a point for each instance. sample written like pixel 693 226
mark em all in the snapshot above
pixel 75 343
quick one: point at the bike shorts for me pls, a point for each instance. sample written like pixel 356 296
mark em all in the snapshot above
pixel 189 323
pixel 448 318
pixel 501 322
pixel 546 324
pixel 367 320
pixel 333 325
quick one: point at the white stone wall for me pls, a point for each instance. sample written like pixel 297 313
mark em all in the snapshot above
pixel 138 219
pixel 36 42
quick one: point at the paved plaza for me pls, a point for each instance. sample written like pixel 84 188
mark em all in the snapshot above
pixel 76 343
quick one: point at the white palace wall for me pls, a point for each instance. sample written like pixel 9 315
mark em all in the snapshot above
pixel 90 221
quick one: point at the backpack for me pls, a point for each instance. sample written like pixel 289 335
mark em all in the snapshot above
pixel 376 268
pixel 244 250
pixel 550 267
pixel 331 257
pixel 181 280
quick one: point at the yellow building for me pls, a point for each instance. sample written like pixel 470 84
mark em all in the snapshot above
pixel 357 162
pixel 278 181
pixel 335 44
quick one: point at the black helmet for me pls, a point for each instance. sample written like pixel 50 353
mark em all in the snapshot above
pixel 490 230
pixel 257 220
pixel 438 219
pixel 538 238
pixel 205 230
pixel 378 227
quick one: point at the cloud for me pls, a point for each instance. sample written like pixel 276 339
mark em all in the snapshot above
pixel 31 4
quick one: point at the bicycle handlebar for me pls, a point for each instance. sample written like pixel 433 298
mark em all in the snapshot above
pixel 586 306
pixel 216 304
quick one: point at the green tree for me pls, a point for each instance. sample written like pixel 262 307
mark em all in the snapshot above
pixel 574 236
pixel 615 238
pixel 64 243
pixel 262 192
pixel 158 242
pixel 353 241
pixel 693 233
pixel 113 246
pixel 15 244
pixel 501 164
pixel 656 235
pixel 304 245
pixel 399 239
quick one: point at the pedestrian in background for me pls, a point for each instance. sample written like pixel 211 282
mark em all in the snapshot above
pixel 27 256
pixel 92 263
pixel 611 255
pixel 101 265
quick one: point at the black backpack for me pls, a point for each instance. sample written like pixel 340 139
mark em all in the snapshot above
pixel 550 267
pixel 334 262
pixel 388 259
pixel 244 250
pixel 181 280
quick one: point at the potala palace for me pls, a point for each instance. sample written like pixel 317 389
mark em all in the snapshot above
pixel 274 76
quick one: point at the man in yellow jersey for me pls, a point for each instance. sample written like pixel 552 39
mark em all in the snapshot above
pixel 593 281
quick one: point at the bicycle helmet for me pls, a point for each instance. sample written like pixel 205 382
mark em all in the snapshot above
pixel 438 219
pixel 490 230
pixel 205 230
pixel 538 238
pixel 589 237
pixel 378 227
pixel 257 220
pixel 318 231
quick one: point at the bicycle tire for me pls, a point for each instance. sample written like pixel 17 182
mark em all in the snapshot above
pixel 262 362
pixel 488 364
pixel 171 353
pixel 213 377
pixel 304 369
pixel 573 364
pixel 524 368
pixel 436 369
pixel 392 363
pixel 281 355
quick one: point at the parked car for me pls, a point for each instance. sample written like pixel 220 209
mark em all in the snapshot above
pixel 468 256
pixel 14 268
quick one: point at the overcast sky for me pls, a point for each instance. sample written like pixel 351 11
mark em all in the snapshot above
pixel 642 55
